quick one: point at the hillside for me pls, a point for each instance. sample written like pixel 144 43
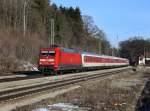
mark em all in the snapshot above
pixel 26 25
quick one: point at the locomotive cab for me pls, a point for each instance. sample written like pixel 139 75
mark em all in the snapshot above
pixel 47 60
pixel 59 59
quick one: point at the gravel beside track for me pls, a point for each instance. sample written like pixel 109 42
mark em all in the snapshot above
pixel 17 78
pixel 30 82
pixel 20 76
pixel 24 87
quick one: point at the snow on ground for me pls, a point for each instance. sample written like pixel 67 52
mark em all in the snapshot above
pixel 27 66
pixel 62 107
pixel 41 109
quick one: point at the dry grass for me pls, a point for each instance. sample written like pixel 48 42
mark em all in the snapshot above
pixel 102 97
pixel 99 96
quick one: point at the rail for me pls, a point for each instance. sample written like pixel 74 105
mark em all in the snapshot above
pixel 19 92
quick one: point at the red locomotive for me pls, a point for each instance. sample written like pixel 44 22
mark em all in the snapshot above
pixel 57 59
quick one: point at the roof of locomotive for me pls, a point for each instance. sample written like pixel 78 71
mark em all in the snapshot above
pixel 70 50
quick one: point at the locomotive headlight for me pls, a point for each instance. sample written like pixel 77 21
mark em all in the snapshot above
pixel 40 63
pixel 50 60
pixel 42 60
pixel 46 60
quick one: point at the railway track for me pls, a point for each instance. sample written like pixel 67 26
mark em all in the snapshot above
pixel 20 76
pixel 24 91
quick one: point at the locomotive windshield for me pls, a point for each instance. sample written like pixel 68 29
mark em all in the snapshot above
pixel 48 53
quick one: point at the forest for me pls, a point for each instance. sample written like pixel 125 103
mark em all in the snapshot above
pixel 133 48
pixel 28 25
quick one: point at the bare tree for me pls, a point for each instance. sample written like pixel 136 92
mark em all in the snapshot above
pixel 93 30
pixel 25 16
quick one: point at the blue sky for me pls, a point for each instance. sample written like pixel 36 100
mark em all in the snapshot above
pixel 122 18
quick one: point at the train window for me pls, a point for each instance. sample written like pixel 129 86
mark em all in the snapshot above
pixel 86 59
pixel 48 53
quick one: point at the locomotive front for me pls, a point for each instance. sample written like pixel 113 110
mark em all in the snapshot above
pixel 48 59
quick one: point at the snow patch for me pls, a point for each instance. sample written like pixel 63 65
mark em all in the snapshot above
pixel 41 109
pixel 63 107
pixel 31 66
pixel 27 66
